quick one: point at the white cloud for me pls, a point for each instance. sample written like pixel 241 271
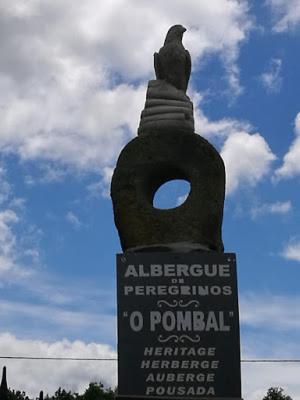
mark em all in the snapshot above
pixel 291 163
pixel 271 78
pixel 87 135
pixel 247 159
pixel 119 36
pixel 279 207
pixel 60 319
pixel 33 376
pixel 45 173
pixel 101 187
pixel 291 160
pixel 69 73
pixel 5 187
pixel 221 128
pixel 14 248
pixel 73 220
pixel 247 156
pixel 286 14
pixel 292 250
pixel 259 377
pixel 258 310
pixel 267 320
pixel 11 250
pixel 7 240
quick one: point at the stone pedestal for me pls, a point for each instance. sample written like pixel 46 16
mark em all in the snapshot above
pixel 178 326
pixel 146 163
pixel 167 109
pixel 178 320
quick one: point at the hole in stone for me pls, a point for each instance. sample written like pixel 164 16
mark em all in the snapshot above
pixel 171 194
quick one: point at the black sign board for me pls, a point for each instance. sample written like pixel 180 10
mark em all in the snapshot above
pixel 178 325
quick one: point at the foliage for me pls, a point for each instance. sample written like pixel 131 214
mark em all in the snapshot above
pixel 95 391
pixel 276 393
pixel 16 395
pixel 62 394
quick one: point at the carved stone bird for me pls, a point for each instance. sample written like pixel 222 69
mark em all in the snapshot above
pixel 173 62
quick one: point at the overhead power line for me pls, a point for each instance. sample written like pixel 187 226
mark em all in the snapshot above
pixel 115 359
pixel 271 361
pixel 57 358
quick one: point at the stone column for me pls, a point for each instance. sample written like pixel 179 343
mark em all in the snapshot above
pixel 178 319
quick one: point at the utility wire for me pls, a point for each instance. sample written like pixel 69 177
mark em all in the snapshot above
pixel 115 359
pixel 57 358
pixel 272 361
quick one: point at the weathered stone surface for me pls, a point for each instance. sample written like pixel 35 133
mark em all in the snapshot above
pixel 167 148
pixel 173 62
pixel 163 126
pixel 149 161
pixel 165 110
pixel 160 89
pixel 158 117
pixel 175 103
pixel 165 106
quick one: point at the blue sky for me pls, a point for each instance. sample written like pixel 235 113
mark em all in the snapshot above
pixel 73 79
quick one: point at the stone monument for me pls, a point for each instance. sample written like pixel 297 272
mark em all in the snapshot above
pixel 178 321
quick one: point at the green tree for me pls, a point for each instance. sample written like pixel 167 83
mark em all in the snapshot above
pixel 96 391
pixel 276 393
pixel 16 395
pixel 62 394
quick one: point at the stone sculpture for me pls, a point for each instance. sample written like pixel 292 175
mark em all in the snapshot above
pixel 167 148
pixel 167 106
pixel 173 62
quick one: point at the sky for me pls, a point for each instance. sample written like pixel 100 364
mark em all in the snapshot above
pixel 73 78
